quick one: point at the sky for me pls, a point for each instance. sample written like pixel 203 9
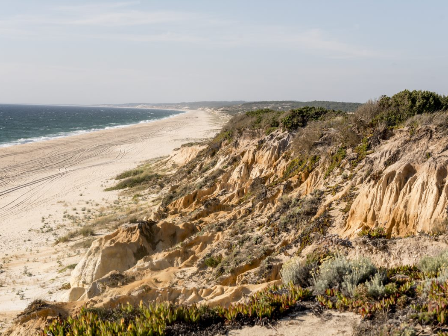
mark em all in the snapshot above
pixel 160 51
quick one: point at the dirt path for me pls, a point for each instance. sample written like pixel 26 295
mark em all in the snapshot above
pixel 330 323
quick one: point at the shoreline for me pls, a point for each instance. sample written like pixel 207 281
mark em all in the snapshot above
pixel 88 131
pixel 43 183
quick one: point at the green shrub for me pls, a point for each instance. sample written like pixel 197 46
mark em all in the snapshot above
pixel 300 117
pixel 212 261
pixel 69 267
pixel 432 266
pixel 405 104
pixel 299 165
pixel 86 231
pixel 362 150
pixel 375 287
pixel 264 118
pixel 296 272
pixel 131 182
pixel 336 160
pixel 261 119
pixel 344 274
pixel 410 271
pixel 373 233
pixel 129 173
pixel 300 272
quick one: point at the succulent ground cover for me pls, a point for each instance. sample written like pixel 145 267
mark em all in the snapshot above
pixel 167 319
pixel 412 297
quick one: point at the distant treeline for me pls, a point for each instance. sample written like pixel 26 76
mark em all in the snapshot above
pixel 289 105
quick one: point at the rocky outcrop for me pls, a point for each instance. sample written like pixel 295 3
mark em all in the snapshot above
pixel 185 154
pixel 118 251
pixel 405 189
pixel 122 249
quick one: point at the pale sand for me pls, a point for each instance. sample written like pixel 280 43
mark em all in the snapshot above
pixel 44 179
pixel 306 323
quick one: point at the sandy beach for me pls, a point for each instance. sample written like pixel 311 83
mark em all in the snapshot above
pixel 40 182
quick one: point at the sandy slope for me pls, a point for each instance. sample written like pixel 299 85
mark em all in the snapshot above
pixel 39 181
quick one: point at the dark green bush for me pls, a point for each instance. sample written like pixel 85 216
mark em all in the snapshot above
pixel 300 117
pixel 405 104
pixel 213 261
pixel 379 232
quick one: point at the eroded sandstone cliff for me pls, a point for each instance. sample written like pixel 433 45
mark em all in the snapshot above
pixel 233 210
pixel 258 205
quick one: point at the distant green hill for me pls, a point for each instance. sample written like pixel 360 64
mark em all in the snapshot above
pixel 288 105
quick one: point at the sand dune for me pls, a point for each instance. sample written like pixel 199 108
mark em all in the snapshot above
pixel 39 181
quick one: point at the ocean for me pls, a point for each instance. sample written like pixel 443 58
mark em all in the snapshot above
pixel 20 124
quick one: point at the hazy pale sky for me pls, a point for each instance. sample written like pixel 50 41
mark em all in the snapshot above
pixel 89 52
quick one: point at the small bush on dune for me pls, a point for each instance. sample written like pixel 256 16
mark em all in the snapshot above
pixel 300 272
pixel 213 261
pixel 306 138
pixel 264 118
pixel 373 233
pixel 432 266
pixel 129 173
pixel 300 117
pixel 257 119
pixel 375 287
pixel 366 112
pixel 336 160
pixel 360 271
pixel 86 231
pixel 296 271
pixel 405 104
pixel 133 181
pixel 343 274
pixel 269 120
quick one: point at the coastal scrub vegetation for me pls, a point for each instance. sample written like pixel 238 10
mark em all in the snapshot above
pixel 135 180
pixel 84 231
pixel 378 232
pixel 290 105
pixel 389 110
pixel 143 176
pixel 318 130
pixel 405 104
pixel 168 319
pixel 315 130
pixel 264 119
pixel 415 295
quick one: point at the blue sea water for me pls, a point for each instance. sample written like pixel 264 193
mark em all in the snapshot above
pixel 21 124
